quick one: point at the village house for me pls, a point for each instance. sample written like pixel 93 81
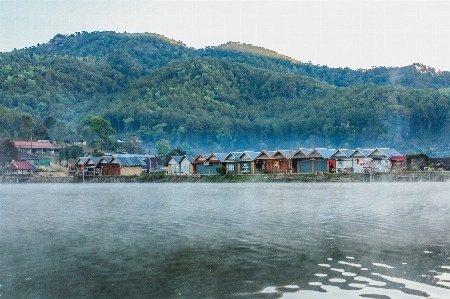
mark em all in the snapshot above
pixel 173 165
pixel 440 163
pixel 41 147
pixel 387 159
pixel 282 161
pixel 300 161
pixel 264 161
pixel 342 161
pixel 246 164
pixel 232 162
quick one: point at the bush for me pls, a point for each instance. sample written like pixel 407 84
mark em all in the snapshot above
pixel 222 170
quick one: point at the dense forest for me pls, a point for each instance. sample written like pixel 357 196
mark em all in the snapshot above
pixel 231 97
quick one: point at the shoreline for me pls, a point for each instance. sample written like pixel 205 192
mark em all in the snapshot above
pixel 265 178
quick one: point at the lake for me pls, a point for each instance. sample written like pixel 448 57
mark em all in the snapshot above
pixel 237 240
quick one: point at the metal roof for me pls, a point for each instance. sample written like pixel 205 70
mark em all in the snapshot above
pixel 219 156
pixel 177 159
pixel 389 152
pixel 21 165
pixel 187 157
pixel 128 160
pixel 326 153
pixel 302 153
pixel 25 156
pixel 266 154
pixel 286 153
pixel 362 152
pixel 250 154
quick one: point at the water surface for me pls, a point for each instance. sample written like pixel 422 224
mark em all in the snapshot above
pixel 199 240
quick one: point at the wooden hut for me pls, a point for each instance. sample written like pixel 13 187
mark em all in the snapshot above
pixel 232 162
pixel 246 164
pixel 124 165
pixel 360 160
pixel 282 162
pixel 173 165
pixel 201 166
pixel 300 161
pixel 342 161
pixel 20 169
pixel 264 161
pixel 320 160
pixel 186 165
pixel 441 163
pixel 387 159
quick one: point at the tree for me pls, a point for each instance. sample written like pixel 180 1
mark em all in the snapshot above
pixel 8 152
pixel 26 125
pixel 175 152
pixel 162 147
pixel 99 126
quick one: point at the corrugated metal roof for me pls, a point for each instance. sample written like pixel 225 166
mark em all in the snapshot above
pixel 326 153
pixel 362 152
pixel 188 157
pixel 177 159
pixel 390 152
pixel 342 153
pixel 219 156
pixel 266 154
pixel 232 156
pixel 35 144
pixel 81 160
pixel 286 153
pixel 24 156
pixel 250 154
pixel 302 152
pixel 128 160
pixel 20 165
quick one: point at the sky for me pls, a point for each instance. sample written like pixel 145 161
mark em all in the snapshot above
pixel 354 34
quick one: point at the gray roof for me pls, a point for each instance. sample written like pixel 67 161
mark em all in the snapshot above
pixel 269 154
pixel 362 152
pixel 177 159
pixel 232 154
pixel 343 152
pixel 188 157
pixel 326 153
pixel 82 160
pixel 25 156
pixel 304 151
pixel 287 153
pixel 250 154
pixel 389 152
pixel 129 160
pixel 220 156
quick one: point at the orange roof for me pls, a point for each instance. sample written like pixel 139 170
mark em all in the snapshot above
pixel 36 144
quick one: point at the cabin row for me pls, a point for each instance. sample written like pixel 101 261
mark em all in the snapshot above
pixel 301 160
pixel 119 164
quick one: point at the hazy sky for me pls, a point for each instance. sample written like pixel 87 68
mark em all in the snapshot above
pixel 355 34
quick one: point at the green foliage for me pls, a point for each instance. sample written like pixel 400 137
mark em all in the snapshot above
pixel 175 152
pixel 221 170
pixel 99 126
pixel 162 147
pixel 217 98
pixel 69 153
pixel 8 152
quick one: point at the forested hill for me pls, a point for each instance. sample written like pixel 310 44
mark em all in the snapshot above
pixel 234 96
pixel 135 55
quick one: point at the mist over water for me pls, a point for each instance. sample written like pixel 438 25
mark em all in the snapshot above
pixel 199 240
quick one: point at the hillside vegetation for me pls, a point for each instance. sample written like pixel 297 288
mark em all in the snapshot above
pixel 234 96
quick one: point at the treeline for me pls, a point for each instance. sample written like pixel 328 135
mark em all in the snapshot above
pixel 231 96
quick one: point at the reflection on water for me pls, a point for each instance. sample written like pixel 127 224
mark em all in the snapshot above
pixel 353 285
pixel 379 240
